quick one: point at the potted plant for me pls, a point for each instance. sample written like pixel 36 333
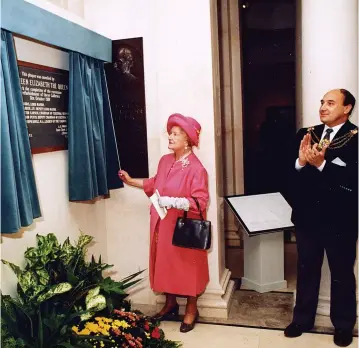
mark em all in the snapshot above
pixel 58 290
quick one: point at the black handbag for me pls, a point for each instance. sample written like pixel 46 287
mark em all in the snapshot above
pixel 192 233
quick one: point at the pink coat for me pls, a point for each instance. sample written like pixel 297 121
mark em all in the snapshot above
pixel 173 269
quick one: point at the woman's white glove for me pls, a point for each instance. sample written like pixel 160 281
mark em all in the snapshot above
pixel 174 202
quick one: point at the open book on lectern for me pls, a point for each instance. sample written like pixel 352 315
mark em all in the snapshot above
pixel 262 213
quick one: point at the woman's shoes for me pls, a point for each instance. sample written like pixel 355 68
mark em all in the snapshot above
pixel 172 314
pixel 188 327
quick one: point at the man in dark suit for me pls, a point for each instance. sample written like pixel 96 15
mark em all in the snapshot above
pixel 325 214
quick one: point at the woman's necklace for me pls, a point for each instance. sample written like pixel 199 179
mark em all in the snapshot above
pixel 184 160
pixel 183 156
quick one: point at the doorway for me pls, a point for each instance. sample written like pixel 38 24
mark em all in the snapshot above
pixel 268 76
pixel 265 53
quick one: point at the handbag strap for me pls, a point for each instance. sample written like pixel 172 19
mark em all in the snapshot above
pixel 198 207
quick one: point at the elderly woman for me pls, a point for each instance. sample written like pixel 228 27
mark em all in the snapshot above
pixel 180 177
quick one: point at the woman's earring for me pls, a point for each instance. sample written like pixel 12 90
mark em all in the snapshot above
pixel 186 147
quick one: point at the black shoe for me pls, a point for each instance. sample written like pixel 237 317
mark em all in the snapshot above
pixel 343 338
pixel 293 330
pixel 188 327
pixel 172 314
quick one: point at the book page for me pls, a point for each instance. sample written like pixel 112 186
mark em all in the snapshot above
pixel 262 212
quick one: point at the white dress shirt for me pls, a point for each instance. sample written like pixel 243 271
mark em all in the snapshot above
pixel 331 136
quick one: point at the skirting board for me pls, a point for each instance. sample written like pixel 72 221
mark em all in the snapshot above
pixel 324 306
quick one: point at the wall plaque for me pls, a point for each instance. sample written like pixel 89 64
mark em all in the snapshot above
pixel 126 85
pixel 45 98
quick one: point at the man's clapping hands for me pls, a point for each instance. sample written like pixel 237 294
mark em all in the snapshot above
pixel 311 154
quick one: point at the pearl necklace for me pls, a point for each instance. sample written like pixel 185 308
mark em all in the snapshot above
pixel 183 159
pixel 183 156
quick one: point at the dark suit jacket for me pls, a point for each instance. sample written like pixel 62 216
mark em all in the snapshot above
pixel 327 199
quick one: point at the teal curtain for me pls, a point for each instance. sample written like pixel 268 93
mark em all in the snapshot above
pixel 93 155
pixel 19 200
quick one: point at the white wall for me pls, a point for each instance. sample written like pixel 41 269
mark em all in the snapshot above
pixel 318 58
pixel 128 209
pixel 60 217
pixel 29 51
pixel 178 78
pixel 71 10
pixel 75 6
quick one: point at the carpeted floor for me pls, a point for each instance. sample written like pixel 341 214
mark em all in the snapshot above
pixel 272 310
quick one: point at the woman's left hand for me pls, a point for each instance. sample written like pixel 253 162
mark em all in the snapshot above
pixel 174 202
pixel 166 202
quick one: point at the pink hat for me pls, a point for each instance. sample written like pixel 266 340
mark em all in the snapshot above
pixel 188 124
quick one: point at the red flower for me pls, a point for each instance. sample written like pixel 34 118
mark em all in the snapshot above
pixel 156 333
pixel 128 337
pixel 146 327
pixel 116 332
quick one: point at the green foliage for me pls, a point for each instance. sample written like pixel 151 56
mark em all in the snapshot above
pixel 57 288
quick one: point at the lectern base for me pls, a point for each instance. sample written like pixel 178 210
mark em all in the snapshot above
pixel 264 262
pixel 261 288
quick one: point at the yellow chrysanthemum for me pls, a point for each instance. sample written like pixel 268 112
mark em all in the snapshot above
pixel 93 327
pixel 75 329
pixel 84 332
pixel 121 323
pixel 105 332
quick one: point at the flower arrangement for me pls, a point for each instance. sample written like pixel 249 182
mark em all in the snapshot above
pixel 59 293
pixel 123 329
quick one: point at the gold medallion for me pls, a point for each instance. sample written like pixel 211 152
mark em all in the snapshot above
pixel 323 143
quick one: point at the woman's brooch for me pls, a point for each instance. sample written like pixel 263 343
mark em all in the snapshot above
pixel 185 163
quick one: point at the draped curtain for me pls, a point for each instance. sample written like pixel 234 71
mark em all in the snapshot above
pixel 19 199
pixel 92 148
